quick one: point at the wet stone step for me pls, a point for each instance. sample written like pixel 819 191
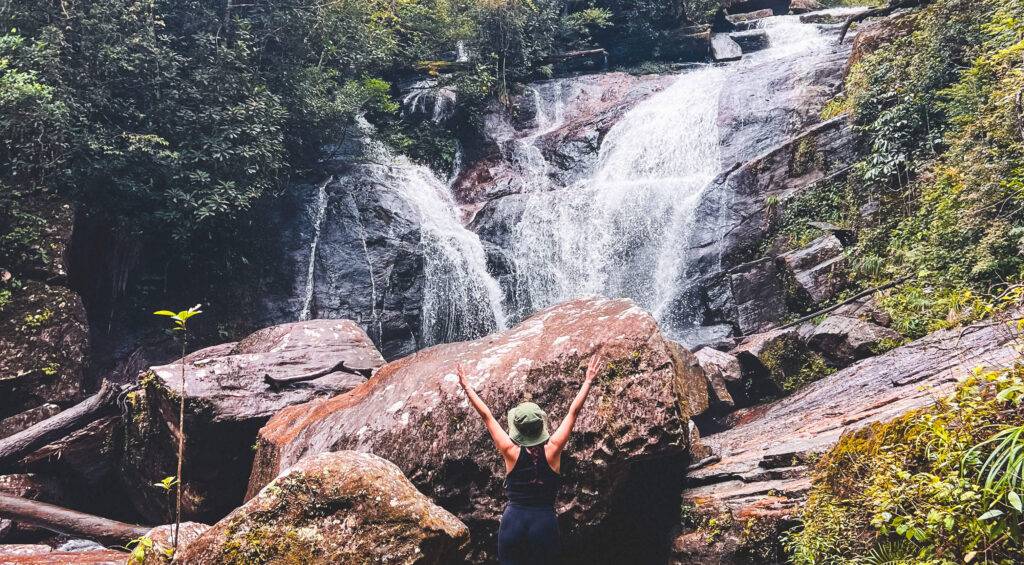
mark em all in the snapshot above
pixel 752 40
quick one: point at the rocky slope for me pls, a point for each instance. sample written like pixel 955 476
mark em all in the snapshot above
pixel 757 476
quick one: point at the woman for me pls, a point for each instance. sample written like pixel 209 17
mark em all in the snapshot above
pixel 533 461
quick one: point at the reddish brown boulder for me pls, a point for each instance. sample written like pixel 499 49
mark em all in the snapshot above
pixel 723 371
pixel 628 451
pixel 843 340
pixel 157 546
pixel 228 399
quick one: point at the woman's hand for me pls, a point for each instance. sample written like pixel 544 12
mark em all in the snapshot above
pixel 463 382
pixel 593 368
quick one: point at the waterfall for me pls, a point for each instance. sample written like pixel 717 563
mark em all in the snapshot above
pixel 613 234
pixel 460 297
pixel 430 100
pixel 319 214
pixel 625 230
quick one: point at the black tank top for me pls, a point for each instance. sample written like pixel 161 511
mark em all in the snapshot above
pixel 532 482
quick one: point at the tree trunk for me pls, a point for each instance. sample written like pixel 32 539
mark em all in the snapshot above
pixel 14 448
pixel 878 12
pixel 70 522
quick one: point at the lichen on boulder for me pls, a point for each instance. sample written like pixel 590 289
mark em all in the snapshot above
pixel 342 507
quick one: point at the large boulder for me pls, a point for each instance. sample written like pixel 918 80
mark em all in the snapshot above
pixel 723 372
pixel 622 465
pixel 343 507
pixel 228 399
pixel 157 546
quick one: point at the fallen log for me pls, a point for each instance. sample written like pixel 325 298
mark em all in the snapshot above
pixel 559 57
pixel 14 448
pixel 67 521
pixel 853 298
pixel 276 383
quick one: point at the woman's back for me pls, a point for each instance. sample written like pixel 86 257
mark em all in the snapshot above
pixel 532 482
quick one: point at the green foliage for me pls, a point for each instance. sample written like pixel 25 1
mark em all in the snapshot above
pixel 940 118
pixel 512 37
pixel 829 202
pixel 181 318
pixel 934 486
pixel 167 483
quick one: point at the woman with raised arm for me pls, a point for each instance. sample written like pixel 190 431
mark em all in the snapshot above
pixel 528 533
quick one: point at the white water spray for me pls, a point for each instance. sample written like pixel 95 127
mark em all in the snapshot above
pixel 461 300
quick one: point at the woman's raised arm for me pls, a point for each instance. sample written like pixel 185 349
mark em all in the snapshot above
pixel 508 449
pixel 561 435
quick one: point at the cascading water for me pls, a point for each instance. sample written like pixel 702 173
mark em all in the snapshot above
pixel 461 300
pixel 319 215
pixel 523 152
pixel 624 231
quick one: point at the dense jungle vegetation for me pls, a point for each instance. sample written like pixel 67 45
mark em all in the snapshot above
pixel 937 197
pixel 175 116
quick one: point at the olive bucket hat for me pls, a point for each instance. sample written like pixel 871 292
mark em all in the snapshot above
pixel 528 425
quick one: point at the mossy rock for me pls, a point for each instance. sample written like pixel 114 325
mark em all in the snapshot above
pixel 341 507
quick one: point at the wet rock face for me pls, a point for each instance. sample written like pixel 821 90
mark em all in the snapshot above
pixel 622 464
pixel 343 507
pixel 228 400
pixel 739 199
pixel 563 121
pixel 369 260
pixel 819 268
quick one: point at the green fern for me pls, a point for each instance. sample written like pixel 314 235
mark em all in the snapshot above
pixel 1003 470
pixel 899 552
